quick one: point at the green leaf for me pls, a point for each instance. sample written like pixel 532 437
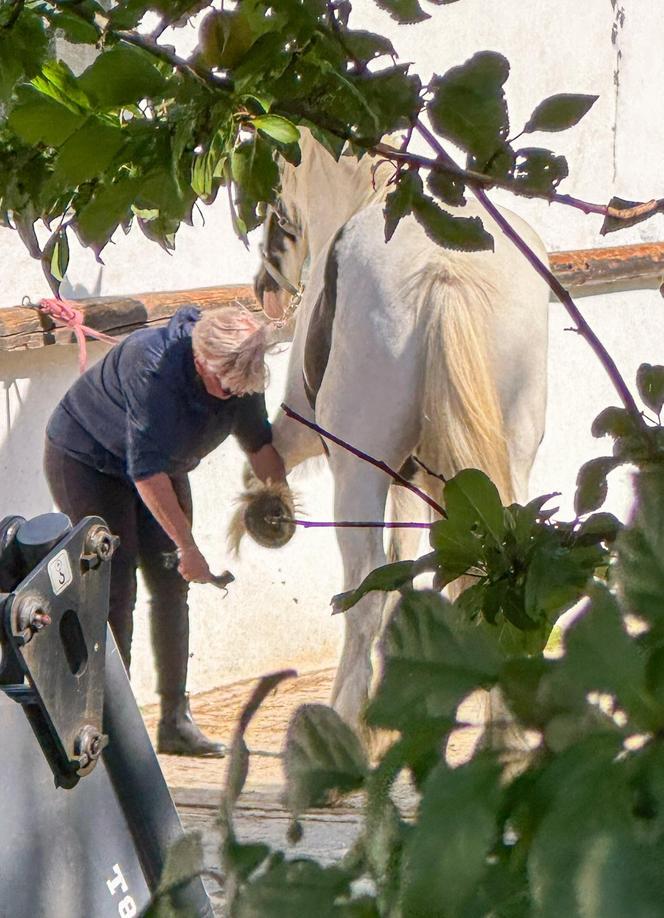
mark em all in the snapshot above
pixel 36 118
pixel 238 765
pixel 641 553
pixel 601 657
pixel 404 11
pixel 599 526
pixel 11 66
pixel 87 152
pixel 447 188
pixel 538 172
pixel 391 101
pixel 556 579
pixel 468 105
pixel 57 81
pixel 224 37
pixel 56 251
pixel 256 175
pixel 591 485
pixel 184 860
pixel 279 128
pixel 389 577
pixel 296 887
pixel 582 859
pixel 22 50
pixel 472 500
pixel 650 383
pixel 457 549
pixel 77 30
pixel 614 422
pixel 109 206
pixel 322 754
pixel 559 112
pixel 367 46
pixel 122 76
pixel 445 857
pixel 465 234
pixel 399 203
pixel 243 859
pixel 431 662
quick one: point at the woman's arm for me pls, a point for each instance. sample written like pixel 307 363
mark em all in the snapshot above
pixel 159 497
pixel 267 464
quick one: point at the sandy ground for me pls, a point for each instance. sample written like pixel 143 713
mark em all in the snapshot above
pixel 217 713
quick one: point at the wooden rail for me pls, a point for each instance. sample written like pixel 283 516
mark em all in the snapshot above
pixel 581 270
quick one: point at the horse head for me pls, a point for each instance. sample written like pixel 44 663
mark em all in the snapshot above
pixel 278 283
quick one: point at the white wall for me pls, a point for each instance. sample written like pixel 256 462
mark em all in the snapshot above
pixel 276 613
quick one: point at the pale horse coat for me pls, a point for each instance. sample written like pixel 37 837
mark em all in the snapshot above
pixel 431 352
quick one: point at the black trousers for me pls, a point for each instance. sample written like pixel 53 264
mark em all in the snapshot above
pixel 78 491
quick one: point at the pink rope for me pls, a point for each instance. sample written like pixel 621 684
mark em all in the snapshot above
pixel 65 312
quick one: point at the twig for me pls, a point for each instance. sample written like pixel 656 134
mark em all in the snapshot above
pixel 429 471
pixel 350 524
pixel 554 284
pixel 378 463
pixel 479 179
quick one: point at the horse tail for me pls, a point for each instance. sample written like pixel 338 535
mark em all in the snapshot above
pixel 461 406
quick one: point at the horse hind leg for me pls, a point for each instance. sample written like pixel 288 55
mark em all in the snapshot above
pixel 360 494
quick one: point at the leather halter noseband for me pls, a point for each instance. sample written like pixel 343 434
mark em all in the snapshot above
pixel 295 291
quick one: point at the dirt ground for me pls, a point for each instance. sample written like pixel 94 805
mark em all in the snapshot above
pixel 217 713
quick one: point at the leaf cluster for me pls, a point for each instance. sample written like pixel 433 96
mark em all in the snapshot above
pixel 584 812
pixel 524 568
pixel 467 106
pixel 636 441
pixel 142 135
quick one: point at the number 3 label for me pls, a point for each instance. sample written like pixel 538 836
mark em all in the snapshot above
pixel 59 572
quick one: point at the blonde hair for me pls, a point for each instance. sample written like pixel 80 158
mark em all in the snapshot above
pixel 231 343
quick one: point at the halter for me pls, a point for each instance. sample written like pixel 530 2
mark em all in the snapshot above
pixel 295 290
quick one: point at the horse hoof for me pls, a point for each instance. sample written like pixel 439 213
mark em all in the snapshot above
pixel 268 518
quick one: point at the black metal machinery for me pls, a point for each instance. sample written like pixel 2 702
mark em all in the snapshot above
pixel 86 818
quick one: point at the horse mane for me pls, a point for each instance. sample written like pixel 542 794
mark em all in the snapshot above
pixel 356 182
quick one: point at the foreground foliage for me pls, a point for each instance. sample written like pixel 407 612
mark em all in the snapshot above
pixel 143 135
pixel 574 825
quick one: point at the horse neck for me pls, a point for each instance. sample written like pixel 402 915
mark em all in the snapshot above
pixel 327 192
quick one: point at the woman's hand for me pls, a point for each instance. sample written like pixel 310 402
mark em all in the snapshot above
pixel 193 566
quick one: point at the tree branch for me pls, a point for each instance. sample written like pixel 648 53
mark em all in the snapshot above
pixel 379 464
pixel 479 179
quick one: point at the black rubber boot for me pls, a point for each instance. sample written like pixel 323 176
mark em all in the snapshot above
pixel 178 734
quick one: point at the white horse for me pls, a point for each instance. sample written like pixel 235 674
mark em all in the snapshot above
pixel 400 349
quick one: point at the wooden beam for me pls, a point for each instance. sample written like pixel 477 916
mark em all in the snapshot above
pixel 24 327
pixel 619 264
pixel 580 270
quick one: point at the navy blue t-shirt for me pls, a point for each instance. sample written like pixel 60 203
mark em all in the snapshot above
pixel 143 409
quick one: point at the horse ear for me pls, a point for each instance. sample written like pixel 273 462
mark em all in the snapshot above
pixel 273 304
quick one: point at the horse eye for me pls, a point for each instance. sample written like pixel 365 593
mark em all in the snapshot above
pixel 287 227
